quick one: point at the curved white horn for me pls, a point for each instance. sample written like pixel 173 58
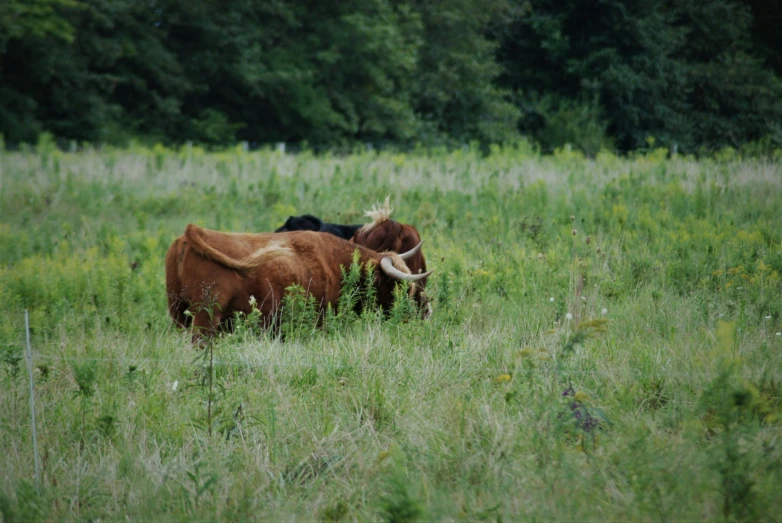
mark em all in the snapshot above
pixel 409 254
pixel 388 267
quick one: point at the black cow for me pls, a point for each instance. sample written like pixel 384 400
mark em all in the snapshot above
pixel 309 222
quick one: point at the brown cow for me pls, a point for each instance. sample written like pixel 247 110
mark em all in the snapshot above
pixel 385 234
pixel 228 269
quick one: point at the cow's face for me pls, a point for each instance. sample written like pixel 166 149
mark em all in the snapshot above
pixel 394 269
pixel 422 301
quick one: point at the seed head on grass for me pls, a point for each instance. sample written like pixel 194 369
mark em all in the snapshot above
pixel 581 396
pixel 596 325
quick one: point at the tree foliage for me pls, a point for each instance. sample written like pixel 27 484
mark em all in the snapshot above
pixel 694 73
pixel 683 72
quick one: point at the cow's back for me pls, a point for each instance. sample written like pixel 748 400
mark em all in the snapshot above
pixel 196 277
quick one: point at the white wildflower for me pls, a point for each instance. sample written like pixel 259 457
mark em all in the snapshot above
pixel 252 301
pixel 604 311
pixel 768 317
pixel 551 299
pixel 175 385
pixel 568 316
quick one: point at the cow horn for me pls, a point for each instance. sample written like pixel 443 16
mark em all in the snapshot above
pixel 388 267
pixel 409 254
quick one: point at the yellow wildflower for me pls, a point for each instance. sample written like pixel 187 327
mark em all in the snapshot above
pixel 502 378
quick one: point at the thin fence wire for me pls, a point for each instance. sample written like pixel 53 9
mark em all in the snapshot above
pixel 258 363
pixel 493 372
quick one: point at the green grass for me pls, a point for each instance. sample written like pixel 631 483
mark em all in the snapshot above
pixel 671 407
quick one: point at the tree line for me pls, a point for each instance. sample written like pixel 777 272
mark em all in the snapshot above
pixel 619 74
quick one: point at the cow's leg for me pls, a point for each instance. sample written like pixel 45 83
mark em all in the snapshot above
pixel 177 308
pixel 205 325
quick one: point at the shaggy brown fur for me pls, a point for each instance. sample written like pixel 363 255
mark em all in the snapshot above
pixel 385 234
pixel 206 267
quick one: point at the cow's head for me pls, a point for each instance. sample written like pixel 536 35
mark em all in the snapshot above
pixel 394 268
pixel 385 234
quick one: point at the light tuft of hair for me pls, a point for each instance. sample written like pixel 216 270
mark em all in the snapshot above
pixel 267 253
pixel 378 214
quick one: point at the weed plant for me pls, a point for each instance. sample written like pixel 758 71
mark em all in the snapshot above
pixel 606 341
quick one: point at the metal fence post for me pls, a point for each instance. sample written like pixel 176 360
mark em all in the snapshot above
pixel 32 403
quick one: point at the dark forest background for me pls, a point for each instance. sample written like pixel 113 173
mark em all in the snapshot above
pixel 697 75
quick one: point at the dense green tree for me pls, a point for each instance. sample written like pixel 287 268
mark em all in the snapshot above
pixel 564 53
pixel 29 21
pixel 695 73
pixel 34 19
pixel 766 36
pixel 319 71
pixel 455 92
pixel 112 79
pixel 731 98
pixel 681 72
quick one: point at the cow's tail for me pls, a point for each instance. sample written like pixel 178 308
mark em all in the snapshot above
pixel 275 249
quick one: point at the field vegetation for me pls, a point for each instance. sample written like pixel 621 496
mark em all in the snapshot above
pixel 605 343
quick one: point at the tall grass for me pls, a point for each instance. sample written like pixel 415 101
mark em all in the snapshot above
pixel 628 371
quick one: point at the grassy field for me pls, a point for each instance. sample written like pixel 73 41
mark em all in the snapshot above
pixel 605 343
